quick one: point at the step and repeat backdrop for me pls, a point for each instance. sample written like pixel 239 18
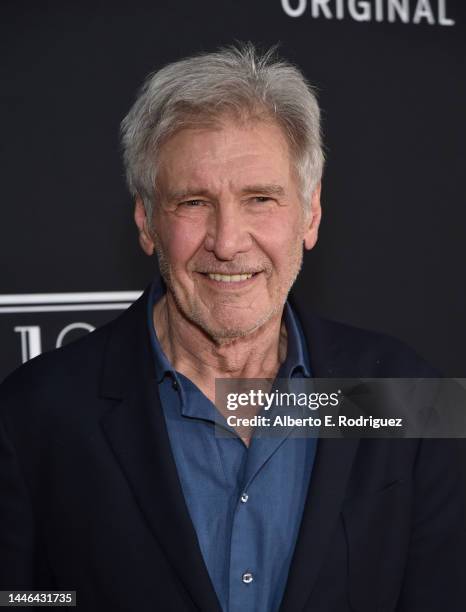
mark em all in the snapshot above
pixel 390 76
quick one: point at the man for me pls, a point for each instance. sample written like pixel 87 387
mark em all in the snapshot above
pixel 114 482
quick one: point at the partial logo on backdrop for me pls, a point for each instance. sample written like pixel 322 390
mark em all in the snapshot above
pixel 432 12
pixel 33 323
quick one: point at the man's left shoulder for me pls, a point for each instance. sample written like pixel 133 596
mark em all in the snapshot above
pixel 346 350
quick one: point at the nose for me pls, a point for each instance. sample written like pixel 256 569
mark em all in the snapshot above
pixel 228 232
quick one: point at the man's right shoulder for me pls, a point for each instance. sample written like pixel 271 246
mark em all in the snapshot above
pixel 79 364
pixel 57 370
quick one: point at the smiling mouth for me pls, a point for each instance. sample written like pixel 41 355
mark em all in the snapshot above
pixel 229 278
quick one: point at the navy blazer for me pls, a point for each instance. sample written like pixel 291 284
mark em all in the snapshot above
pixel 90 498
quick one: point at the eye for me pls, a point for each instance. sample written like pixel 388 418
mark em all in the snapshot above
pixel 261 199
pixel 192 203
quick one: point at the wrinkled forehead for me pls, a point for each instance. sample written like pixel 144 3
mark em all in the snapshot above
pixel 227 154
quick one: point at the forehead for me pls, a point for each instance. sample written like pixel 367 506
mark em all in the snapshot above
pixel 231 152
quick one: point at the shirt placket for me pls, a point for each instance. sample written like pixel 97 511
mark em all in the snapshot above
pixel 246 579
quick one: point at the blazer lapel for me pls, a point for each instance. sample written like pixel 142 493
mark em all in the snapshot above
pixel 330 474
pixel 331 471
pixel 136 431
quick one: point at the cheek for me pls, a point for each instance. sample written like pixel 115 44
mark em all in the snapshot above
pixel 180 240
pixel 281 241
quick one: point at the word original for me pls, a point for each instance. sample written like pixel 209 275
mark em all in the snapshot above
pixel 431 12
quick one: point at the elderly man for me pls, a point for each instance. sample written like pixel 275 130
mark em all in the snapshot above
pixel 113 480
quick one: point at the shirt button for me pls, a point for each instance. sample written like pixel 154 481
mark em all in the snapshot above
pixel 247 578
pixel 244 498
pixel 175 384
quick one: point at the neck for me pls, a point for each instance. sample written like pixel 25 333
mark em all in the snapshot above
pixel 202 359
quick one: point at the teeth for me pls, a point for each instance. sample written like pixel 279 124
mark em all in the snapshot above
pixel 229 278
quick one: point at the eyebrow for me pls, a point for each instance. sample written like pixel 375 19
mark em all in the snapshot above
pixel 182 194
pixel 264 189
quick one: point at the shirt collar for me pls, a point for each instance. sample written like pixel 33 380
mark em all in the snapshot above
pixel 296 363
pixel 297 358
pixel 162 365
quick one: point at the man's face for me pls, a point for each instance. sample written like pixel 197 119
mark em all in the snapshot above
pixel 229 225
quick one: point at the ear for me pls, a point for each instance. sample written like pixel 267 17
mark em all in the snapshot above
pixel 140 218
pixel 313 220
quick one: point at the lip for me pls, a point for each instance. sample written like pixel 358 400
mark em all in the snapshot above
pixel 230 286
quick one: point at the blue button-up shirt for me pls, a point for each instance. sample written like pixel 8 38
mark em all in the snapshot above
pixel 245 503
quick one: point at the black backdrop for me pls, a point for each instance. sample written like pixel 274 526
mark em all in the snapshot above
pixel 391 254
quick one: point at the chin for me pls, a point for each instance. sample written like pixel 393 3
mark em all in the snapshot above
pixel 229 330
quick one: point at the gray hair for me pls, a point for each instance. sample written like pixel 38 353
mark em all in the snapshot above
pixel 200 89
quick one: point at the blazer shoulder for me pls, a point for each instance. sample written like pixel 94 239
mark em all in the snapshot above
pixel 362 352
pixel 71 377
pixel 60 368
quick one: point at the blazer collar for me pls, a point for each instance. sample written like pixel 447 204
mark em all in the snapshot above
pixel 128 356
pixel 127 360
